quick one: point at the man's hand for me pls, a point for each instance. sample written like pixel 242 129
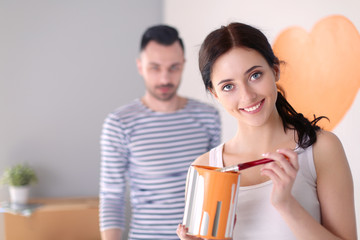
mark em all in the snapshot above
pixel 111 234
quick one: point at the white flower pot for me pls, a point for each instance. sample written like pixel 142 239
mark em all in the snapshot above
pixel 19 194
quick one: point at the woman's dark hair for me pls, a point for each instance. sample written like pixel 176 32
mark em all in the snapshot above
pixel 161 34
pixel 235 35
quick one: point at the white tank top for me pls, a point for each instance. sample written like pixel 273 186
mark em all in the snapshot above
pixel 256 218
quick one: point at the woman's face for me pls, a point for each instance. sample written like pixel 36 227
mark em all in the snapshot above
pixel 244 84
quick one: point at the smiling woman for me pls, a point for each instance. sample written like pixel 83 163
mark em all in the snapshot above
pixel 303 191
pixel 245 84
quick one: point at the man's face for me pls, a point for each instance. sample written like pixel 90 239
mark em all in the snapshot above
pixel 161 67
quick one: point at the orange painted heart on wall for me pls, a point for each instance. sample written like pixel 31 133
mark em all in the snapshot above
pixel 321 74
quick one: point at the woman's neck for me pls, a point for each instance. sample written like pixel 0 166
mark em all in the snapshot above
pixel 261 139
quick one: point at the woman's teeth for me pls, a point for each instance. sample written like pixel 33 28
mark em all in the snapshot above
pixel 253 108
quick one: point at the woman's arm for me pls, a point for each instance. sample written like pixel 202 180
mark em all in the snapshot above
pixel 202 160
pixel 334 186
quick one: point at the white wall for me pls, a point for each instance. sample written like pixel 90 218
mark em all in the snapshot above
pixel 64 65
pixel 195 19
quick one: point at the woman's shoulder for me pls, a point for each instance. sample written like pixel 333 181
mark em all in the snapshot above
pixel 202 160
pixel 326 139
pixel 328 150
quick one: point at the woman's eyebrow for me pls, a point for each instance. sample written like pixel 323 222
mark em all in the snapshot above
pixel 250 69
pixel 224 81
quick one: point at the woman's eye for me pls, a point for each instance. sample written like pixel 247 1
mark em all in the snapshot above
pixel 228 87
pixel 256 76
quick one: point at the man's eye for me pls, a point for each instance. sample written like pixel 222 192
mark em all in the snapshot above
pixel 154 68
pixel 228 87
pixel 174 68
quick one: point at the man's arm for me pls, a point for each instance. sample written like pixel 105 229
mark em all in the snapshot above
pixel 215 131
pixel 114 162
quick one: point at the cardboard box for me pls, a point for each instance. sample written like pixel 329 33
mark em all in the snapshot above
pixel 56 219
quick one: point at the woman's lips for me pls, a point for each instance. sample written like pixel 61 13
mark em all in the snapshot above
pixel 254 108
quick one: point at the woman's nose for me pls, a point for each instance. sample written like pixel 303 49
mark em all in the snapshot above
pixel 247 94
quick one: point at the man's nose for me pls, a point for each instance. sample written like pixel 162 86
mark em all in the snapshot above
pixel 165 76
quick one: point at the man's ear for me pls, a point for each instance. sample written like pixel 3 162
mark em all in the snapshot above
pixel 139 65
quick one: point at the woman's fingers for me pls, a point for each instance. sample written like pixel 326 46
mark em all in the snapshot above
pixel 182 231
pixel 290 156
pixel 282 172
pixel 286 163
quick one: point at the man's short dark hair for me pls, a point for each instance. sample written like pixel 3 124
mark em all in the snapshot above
pixel 162 34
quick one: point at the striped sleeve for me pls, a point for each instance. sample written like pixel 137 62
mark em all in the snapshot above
pixel 215 131
pixel 114 162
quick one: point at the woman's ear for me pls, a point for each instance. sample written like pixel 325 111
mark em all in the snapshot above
pixel 276 72
pixel 212 91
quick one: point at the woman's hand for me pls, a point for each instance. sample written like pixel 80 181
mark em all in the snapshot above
pixel 282 172
pixel 181 231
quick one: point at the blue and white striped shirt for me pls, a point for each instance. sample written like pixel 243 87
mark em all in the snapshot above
pixel 153 151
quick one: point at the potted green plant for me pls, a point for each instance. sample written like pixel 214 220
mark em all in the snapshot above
pixel 19 178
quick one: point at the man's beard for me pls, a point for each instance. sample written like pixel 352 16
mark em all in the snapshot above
pixel 164 96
